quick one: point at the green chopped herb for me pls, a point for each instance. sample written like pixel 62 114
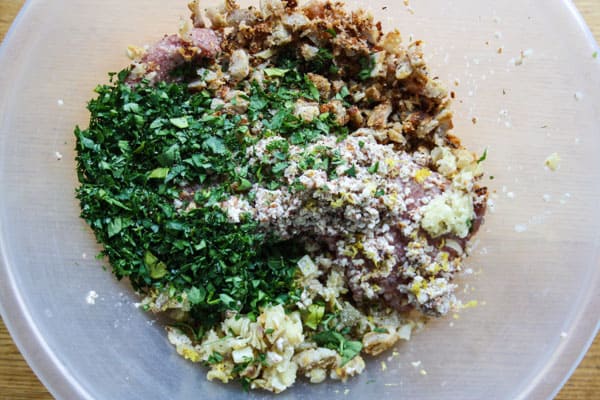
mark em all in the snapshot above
pixel 157 268
pixel 215 358
pixel 323 62
pixel 366 67
pixel 196 295
pixel 180 122
pixel 158 173
pixel 344 92
pixel 115 226
pixel 133 170
pixel 374 168
pixel 351 171
pixel 132 107
pixel 314 315
pixel 348 349
pixel 275 72
pixel 483 157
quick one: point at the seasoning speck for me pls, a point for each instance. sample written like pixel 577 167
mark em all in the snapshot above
pixel 552 162
pixel 565 198
pixel 423 372
pixel 520 228
pixel 60 102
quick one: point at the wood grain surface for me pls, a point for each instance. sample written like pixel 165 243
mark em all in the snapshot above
pixel 17 381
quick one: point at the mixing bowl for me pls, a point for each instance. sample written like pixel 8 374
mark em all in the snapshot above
pixel 527 84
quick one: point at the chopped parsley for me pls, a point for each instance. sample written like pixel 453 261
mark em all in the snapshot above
pixel 154 165
pixel 374 168
pixel 366 67
pixel 333 340
pixel 483 157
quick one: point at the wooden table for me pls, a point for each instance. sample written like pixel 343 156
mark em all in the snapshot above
pixel 17 381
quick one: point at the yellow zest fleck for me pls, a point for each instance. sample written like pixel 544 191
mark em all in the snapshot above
pixel 191 355
pixel 391 164
pixel 337 203
pixel 422 174
pixel 311 205
pixel 134 52
pixel 348 198
pixel 371 255
pixel 353 249
pixel 383 366
pixel 434 268
pixel 470 304
pixel 445 266
pixel 416 287
pixel 390 200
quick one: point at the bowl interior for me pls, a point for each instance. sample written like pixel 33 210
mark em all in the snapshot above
pixel 527 85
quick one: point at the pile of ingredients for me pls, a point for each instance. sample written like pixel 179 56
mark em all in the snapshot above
pixel 281 181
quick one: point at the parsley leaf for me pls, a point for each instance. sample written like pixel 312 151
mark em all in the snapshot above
pixel 180 122
pixel 351 171
pixel 275 72
pixel 333 340
pixel 373 168
pixel 483 157
pixel 366 67
pixel 158 173
pixel 215 145
pixel 314 315
pixel 134 169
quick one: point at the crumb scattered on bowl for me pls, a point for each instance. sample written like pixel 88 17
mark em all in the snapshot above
pixel 91 297
pixel 552 162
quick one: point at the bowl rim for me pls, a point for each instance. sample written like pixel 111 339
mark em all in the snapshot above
pixel 57 378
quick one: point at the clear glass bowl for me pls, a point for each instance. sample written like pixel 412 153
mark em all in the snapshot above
pixel 524 73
